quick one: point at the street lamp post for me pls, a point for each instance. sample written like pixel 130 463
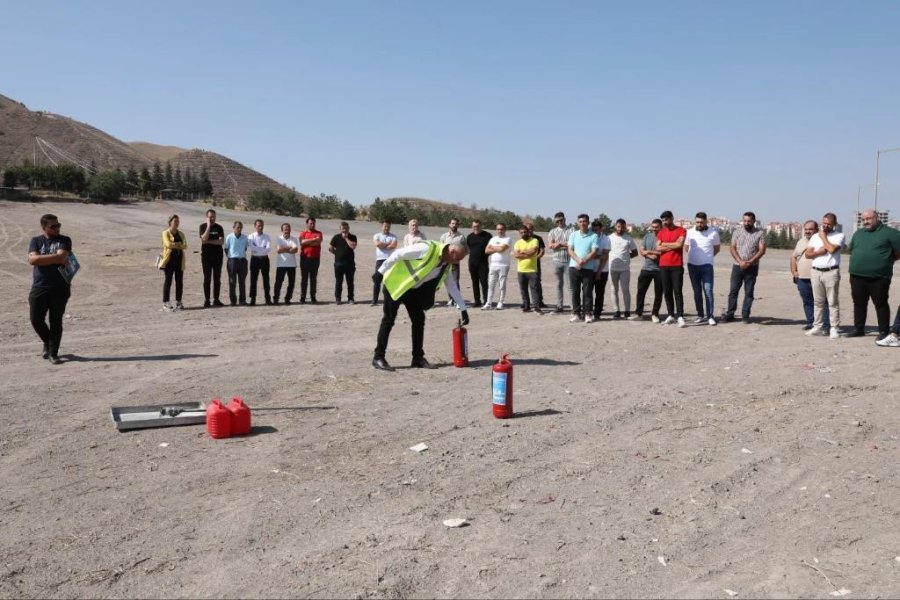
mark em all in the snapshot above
pixel 877 165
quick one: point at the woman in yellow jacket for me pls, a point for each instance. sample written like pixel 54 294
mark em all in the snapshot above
pixel 173 262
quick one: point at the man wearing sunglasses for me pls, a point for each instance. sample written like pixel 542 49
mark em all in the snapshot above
pixel 50 290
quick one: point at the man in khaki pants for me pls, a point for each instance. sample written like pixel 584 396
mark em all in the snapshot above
pixel 825 251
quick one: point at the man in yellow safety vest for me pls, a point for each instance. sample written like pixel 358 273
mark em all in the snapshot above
pixel 411 276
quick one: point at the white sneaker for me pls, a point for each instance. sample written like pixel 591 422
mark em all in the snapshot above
pixel 487 306
pixel 670 320
pixel 712 321
pixel 633 318
pixel 167 307
pixel 699 320
pixel 575 319
pixel 654 319
pixel 835 334
pixel 814 331
pixel 891 340
pixel 589 319
pixel 681 322
pixel 499 306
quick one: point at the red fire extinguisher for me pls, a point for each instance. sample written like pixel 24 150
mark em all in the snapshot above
pixel 460 346
pixel 502 387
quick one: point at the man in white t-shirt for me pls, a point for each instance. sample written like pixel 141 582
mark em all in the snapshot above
pixel 702 243
pixel 621 250
pixel 385 243
pixel 286 247
pixel 498 266
pixel 825 251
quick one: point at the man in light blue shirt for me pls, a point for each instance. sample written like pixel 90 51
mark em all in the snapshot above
pixel 236 245
pixel 583 247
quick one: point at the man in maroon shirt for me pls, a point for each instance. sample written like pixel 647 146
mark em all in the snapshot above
pixel 670 242
pixel 310 255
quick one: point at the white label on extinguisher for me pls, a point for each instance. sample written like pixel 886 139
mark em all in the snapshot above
pixel 499 386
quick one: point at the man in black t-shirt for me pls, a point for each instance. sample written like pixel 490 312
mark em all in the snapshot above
pixel 50 291
pixel 212 237
pixel 342 246
pixel 477 241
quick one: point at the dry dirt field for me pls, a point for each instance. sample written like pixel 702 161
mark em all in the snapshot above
pixel 646 461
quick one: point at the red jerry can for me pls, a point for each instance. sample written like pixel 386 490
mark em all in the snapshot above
pixel 460 346
pixel 218 420
pixel 502 387
pixel 240 417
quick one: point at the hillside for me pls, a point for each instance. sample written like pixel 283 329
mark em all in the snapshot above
pixel 49 138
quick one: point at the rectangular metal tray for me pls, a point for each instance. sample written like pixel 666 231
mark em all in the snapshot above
pixel 127 418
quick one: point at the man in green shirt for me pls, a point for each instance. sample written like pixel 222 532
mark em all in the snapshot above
pixel 874 248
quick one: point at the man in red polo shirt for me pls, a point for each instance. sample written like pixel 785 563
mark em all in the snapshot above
pixel 670 243
pixel 310 254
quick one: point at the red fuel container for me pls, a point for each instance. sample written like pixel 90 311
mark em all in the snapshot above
pixel 218 420
pixel 240 417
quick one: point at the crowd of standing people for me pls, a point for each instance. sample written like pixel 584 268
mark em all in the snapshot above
pixel 584 260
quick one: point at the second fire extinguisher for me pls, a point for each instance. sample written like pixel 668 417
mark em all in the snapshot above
pixel 502 388
pixel 460 346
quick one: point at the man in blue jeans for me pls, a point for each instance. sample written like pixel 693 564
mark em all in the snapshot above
pixel 702 244
pixel 748 245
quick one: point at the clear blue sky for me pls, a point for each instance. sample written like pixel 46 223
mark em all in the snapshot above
pixel 623 108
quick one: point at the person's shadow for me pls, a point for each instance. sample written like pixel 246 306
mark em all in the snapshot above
pixel 151 357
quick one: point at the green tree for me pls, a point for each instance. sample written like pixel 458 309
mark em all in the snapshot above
pixel 145 181
pixel 106 186
pixel 168 176
pixel 178 181
pixel 206 186
pixel 347 211
pixel 157 181
pixel 606 221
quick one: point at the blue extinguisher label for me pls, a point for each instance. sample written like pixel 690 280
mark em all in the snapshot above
pixel 499 385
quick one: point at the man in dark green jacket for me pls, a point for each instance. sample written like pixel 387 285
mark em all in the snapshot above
pixel 873 250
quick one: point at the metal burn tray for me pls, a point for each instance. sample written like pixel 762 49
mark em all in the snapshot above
pixel 172 414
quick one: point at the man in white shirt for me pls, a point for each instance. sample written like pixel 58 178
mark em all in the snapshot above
pixel 287 247
pixel 702 243
pixel 260 243
pixel 453 236
pixel 621 250
pixel 498 266
pixel 414 236
pixel 824 249
pixel 385 243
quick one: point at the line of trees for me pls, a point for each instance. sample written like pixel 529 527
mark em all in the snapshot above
pixel 323 206
pixel 111 185
pixel 399 211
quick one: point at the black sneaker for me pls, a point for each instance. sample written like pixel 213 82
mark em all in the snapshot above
pixel 252 301
pixel 206 304
pixel 421 363
pixel 216 303
pixel 856 333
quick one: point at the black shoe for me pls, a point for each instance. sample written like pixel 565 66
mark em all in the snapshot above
pixel 244 303
pixel 382 365
pixel 338 301
pixel 526 309
pixel 54 360
pixel 373 303
pixel 312 300
pixel 726 318
pixel 559 310
pixel 46 353
pixel 421 363
pixel 856 333
pixel 206 304
pixel 302 300
pixel 217 303
pixel 268 302
pixel 287 302
pixel 252 301
pixel 476 304
pixel 234 304
pixel 617 315
pixel 275 302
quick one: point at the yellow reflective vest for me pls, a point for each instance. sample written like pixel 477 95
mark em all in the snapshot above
pixel 405 275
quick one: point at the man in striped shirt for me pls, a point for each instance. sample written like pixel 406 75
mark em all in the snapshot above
pixel 559 245
pixel 748 245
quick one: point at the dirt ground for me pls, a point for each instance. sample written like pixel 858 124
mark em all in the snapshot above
pixel 646 461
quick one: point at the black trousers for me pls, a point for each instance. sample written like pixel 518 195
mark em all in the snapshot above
pixel 309 271
pixel 528 288
pixel 599 293
pixel 280 273
pixel 259 265
pixel 581 282
pixel 376 288
pixel 212 272
pixel 672 282
pixel 645 278
pixel 173 272
pixel 478 270
pixel 237 278
pixel 42 301
pixel 415 307
pixel 876 288
pixel 341 272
